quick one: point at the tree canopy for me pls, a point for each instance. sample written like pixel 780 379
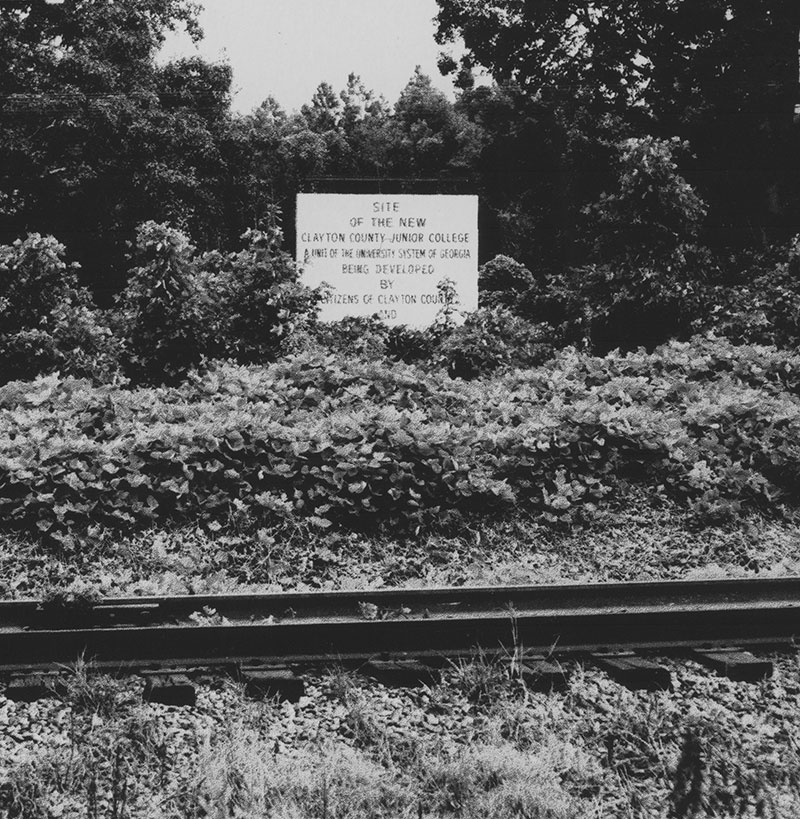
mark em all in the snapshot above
pixel 96 136
pixel 721 73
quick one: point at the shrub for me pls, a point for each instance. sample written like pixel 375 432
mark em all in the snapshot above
pixel 653 211
pixel 410 344
pixel 365 337
pixel 369 338
pixel 250 301
pixel 467 345
pixel 179 309
pixel 766 309
pixel 159 308
pixel 493 338
pixel 48 322
pixel 620 306
pixel 503 282
pixel 645 279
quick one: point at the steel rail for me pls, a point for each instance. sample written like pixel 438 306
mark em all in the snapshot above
pixel 322 626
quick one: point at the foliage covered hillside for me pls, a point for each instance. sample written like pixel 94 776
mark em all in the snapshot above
pixel 366 445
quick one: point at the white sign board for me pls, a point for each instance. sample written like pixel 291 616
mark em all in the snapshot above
pixel 384 254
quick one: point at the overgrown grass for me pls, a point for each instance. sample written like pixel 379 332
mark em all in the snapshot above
pixel 711 748
pixel 86 691
pixel 299 556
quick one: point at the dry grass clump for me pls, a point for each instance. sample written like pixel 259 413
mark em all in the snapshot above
pixel 481 679
pixel 106 770
pixel 87 691
pixel 243 778
pixel 496 781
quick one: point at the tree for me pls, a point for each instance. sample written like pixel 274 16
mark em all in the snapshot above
pixel 324 117
pixel 538 162
pixel 259 163
pixel 733 97
pixel 646 277
pixel 182 138
pixel 159 311
pixel 95 136
pixel 721 73
pixel 325 111
pixel 352 125
pixel 47 321
pixel 359 105
pixel 428 136
pixel 558 45
pixel 364 122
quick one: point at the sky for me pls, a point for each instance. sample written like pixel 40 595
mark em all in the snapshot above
pixel 287 47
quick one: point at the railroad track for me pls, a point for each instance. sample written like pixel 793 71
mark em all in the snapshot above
pixel 407 632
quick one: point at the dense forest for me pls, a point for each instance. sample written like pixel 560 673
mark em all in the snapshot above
pixel 637 163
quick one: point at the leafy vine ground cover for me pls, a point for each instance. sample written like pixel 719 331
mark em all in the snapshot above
pixel 358 452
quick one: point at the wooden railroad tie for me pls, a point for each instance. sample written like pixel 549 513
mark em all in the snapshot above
pixel 264 682
pixel 30 687
pixel 169 688
pixel 738 665
pixel 543 675
pixel 634 672
pixel 402 673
